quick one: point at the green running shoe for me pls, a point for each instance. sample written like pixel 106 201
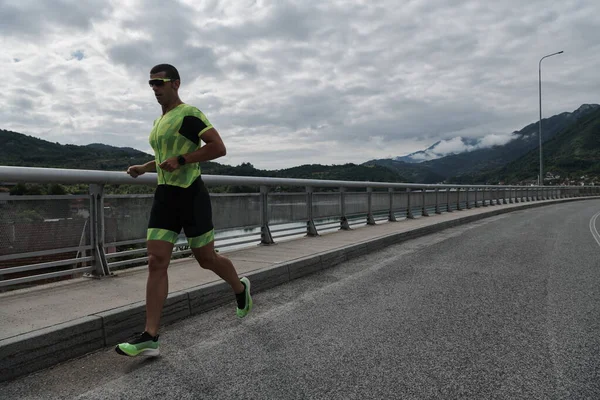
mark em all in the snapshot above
pixel 142 343
pixel 242 312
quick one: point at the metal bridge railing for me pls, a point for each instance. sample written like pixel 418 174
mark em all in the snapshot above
pixel 44 238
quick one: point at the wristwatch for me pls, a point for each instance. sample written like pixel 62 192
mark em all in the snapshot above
pixel 181 160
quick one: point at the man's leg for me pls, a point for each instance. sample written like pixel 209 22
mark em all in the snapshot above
pixel 157 289
pixel 198 227
pixel 220 265
pixel 157 286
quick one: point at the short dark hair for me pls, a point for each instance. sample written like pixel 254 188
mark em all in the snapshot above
pixel 169 70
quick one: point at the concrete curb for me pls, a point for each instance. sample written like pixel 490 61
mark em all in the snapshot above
pixel 30 352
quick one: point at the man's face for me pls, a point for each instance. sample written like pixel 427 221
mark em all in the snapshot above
pixel 164 91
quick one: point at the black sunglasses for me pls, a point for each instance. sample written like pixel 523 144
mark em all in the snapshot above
pixel 159 81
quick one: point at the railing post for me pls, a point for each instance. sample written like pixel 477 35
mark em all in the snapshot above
pixel 448 207
pixel 476 200
pixel 504 196
pixel 424 211
pixel 265 232
pixel 409 213
pixel 493 196
pixel 483 200
pixel 311 229
pixel 370 219
pixel 391 215
pixel 510 196
pixel 97 219
pixel 468 199
pixel 458 207
pixel 437 201
pixel 343 219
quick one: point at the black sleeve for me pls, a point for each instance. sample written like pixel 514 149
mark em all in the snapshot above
pixel 191 127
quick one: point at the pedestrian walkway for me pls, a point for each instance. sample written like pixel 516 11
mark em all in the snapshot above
pixel 48 324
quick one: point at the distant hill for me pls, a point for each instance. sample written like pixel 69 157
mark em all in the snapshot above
pixel 17 149
pixel 569 155
pixel 414 172
pixel 417 156
pixel 470 163
pixel 429 153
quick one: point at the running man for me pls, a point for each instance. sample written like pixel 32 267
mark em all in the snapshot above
pixel 180 201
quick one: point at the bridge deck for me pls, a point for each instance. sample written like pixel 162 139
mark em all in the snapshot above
pixel 39 314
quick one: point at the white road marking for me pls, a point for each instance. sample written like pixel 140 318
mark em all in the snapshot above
pixel 593 229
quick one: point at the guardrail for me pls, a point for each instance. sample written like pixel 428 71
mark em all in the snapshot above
pixel 57 237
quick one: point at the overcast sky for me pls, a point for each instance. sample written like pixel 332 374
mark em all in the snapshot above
pixel 288 83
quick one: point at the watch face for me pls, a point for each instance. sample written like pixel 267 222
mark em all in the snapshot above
pixel 181 160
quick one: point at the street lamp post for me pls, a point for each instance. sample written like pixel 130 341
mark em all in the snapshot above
pixel 541 176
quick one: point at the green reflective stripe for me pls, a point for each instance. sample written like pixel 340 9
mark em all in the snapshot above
pixel 204 130
pixel 161 234
pixel 202 240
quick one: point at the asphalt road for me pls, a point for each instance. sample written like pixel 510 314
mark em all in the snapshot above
pixel 505 308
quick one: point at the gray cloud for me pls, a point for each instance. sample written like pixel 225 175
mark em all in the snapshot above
pixel 39 17
pixel 316 81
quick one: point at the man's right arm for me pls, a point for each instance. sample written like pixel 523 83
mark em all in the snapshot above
pixel 150 166
pixel 137 170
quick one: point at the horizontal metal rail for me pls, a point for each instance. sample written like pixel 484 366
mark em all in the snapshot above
pixel 116 264
pixel 18 281
pixel 76 176
pixel 125 242
pixel 50 264
pixel 43 253
pixel 125 253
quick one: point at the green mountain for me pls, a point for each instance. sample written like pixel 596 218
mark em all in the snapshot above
pixel 470 163
pixel 568 157
pixel 17 149
pixel 417 173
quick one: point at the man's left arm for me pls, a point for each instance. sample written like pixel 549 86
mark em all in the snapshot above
pixel 212 149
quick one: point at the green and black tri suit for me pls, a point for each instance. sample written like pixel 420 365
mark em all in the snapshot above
pixel 181 200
